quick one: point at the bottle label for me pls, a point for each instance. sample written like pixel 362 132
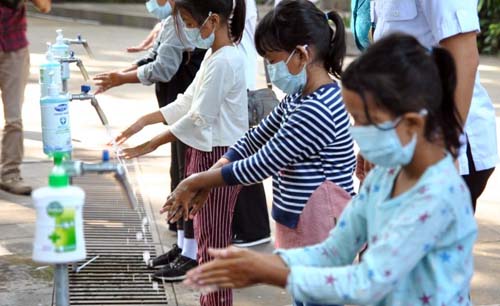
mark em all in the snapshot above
pixel 56 132
pixel 63 237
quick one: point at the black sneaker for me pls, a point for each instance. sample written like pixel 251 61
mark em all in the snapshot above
pixel 166 258
pixel 177 270
pixel 244 243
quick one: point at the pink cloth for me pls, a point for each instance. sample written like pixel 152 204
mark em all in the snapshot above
pixel 318 218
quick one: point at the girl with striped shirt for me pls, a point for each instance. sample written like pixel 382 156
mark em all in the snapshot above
pixel 304 143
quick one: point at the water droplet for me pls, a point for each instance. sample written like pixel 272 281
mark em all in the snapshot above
pixel 144 221
pixel 133 277
pixel 139 236
pixel 155 286
pixel 149 277
pixel 146 256
pixel 128 241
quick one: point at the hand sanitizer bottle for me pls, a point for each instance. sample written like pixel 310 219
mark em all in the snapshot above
pixel 59 236
pixel 56 132
pixel 47 68
pixel 61 50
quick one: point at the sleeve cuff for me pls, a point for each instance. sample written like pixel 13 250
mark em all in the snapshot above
pixel 141 75
pixel 463 21
pixel 232 155
pixel 228 175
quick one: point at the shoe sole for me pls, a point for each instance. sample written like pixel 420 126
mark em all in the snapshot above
pixel 170 278
pixel 253 243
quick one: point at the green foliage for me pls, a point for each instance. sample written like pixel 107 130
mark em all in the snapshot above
pixel 489 14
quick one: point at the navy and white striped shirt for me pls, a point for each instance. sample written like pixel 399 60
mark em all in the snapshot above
pixel 302 143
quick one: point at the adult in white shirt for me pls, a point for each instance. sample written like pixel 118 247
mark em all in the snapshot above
pixel 453 25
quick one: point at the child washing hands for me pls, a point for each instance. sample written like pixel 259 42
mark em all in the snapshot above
pixel 413 209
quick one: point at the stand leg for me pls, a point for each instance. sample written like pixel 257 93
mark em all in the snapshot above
pixel 62 285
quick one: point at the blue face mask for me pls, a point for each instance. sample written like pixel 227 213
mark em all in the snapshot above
pixel 284 80
pixel 381 146
pixel 194 36
pixel 160 12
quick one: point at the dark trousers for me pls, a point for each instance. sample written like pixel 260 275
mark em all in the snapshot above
pixel 476 180
pixel 251 218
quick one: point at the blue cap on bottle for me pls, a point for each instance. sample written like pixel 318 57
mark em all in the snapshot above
pixel 105 156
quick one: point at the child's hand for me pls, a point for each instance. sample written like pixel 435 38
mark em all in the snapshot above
pixel 181 200
pixel 231 268
pixel 135 128
pixel 140 150
pixel 108 80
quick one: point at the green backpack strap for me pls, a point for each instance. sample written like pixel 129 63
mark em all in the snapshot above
pixel 361 23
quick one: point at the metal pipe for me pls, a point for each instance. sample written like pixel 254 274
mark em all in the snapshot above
pixel 93 101
pixel 62 285
pixel 80 41
pixel 78 168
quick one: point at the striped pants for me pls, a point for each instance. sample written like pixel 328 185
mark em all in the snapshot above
pixel 212 225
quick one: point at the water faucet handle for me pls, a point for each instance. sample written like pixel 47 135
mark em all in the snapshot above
pixel 105 156
pixel 85 89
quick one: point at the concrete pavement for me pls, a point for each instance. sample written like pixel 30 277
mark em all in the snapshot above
pixel 21 284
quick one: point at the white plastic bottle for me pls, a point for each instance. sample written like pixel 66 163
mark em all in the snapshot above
pixel 61 50
pixel 56 131
pixel 49 69
pixel 59 235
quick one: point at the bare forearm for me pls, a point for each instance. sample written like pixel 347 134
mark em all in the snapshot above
pixel 152 118
pixel 128 77
pixel 132 67
pixel 275 271
pixel 43 6
pixel 463 48
pixel 163 138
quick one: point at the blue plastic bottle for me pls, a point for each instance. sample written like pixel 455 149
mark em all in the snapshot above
pixel 48 68
pixel 56 132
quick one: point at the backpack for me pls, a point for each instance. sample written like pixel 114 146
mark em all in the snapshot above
pixel 261 102
pixel 361 23
pixel 12 4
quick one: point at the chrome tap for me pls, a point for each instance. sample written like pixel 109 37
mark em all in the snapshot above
pixel 84 95
pixel 79 63
pixel 80 41
pixel 78 168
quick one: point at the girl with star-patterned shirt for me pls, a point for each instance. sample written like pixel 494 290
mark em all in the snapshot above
pixel 413 210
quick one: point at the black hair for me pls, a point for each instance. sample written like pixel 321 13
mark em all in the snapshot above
pixel 300 22
pixel 200 10
pixel 403 76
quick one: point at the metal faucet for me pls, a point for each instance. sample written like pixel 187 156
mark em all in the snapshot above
pixel 78 168
pixel 79 63
pixel 84 95
pixel 80 41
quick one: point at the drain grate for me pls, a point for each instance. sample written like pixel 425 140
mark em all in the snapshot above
pixel 119 276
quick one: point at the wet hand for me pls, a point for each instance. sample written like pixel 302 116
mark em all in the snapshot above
pixel 180 201
pixel 231 268
pixel 129 132
pixel 108 80
pixel 140 150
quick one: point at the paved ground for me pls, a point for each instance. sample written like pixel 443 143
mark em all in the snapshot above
pixel 21 284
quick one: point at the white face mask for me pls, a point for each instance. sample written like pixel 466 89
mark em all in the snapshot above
pixel 284 80
pixel 194 36
pixel 160 12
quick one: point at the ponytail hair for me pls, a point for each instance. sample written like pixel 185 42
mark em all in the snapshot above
pixel 299 22
pixel 448 116
pixel 403 76
pixel 233 12
pixel 337 50
pixel 236 20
